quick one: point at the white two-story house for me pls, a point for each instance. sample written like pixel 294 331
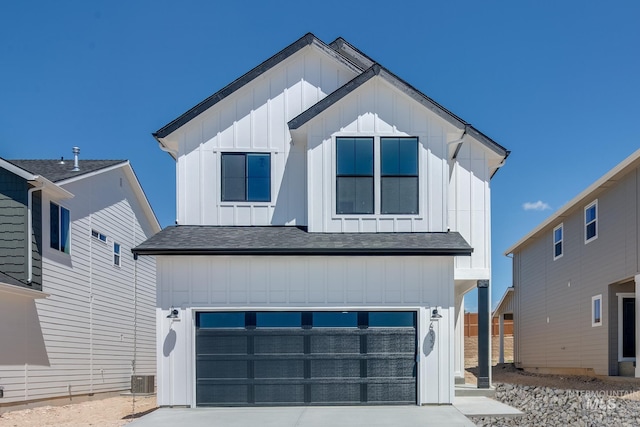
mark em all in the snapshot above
pixel 330 218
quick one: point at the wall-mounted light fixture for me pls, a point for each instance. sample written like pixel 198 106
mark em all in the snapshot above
pixel 435 315
pixel 173 313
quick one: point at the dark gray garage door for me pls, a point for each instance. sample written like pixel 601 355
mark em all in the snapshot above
pixel 305 358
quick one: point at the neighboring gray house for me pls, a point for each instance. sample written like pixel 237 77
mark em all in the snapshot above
pixel 575 280
pixel 330 219
pixel 76 311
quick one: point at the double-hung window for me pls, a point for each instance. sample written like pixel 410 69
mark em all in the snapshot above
pixel 59 228
pixel 354 176
pixel 557 242
pixel 116 254
pixel 246 177
pixel 591 222
pixel 399 175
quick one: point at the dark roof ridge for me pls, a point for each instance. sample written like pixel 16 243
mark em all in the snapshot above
pixel 306 40
pixel 350 51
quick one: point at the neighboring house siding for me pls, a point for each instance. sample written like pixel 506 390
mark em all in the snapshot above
pixel 86 326
pixel 254 120
pixel 13 229
pixel 561 290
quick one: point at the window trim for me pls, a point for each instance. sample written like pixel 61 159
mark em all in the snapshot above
pixel 596 322
pixel 593 204
pixel 60 210
pixel 621 296
pixel 560 242
pixel 246 200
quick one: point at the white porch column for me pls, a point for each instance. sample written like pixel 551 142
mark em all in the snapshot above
pixel 637 280
pixel 458 346
pixel 501 329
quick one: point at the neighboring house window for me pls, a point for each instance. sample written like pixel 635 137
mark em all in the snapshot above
pixel 596 310
pixel 399 175
pixel 99 236
pixel 246 177
pixel 557 242
pixel 60 236
pixel 354 175
pixel 116 254
pixel 591 222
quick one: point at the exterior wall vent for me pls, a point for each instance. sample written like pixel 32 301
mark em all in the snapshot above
pixel 143 384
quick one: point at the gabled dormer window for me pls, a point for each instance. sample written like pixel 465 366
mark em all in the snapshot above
pixel 246 177
pixel 354 175
pixel 59 228
pixel 557 242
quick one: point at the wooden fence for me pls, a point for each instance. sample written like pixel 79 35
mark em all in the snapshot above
pixel 471 325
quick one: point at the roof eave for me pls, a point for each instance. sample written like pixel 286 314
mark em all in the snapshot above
pixel 307 252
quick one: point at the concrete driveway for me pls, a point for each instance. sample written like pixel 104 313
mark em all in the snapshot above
pixel 306 416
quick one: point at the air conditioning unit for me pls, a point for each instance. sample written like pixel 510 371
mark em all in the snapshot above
pixel 143 384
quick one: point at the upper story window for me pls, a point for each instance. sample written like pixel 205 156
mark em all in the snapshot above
pixel 98 235
pixel 246 177
pixel 357 175
pixel 399 175
pixel 557 242
pixel 591 222
pixel 354 175
pixel 59 233
pixel 116 254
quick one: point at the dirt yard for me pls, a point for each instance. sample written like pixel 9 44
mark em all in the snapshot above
pixel 109 412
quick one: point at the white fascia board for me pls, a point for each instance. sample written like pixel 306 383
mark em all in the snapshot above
pixel 604 182
pixel 17 290
pixel 90 174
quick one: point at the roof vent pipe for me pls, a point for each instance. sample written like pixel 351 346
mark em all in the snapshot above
pixel 76 151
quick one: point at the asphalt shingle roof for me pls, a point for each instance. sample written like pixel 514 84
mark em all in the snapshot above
pixel 56 171
pixel 274 240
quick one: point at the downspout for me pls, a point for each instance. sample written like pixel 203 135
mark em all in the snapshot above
pixel 30 232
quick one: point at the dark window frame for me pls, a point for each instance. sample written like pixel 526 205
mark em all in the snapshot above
pixel 342 177
pixel 400 175
pixel 247 177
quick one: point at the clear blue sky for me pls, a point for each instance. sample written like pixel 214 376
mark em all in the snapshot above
pixel 556 82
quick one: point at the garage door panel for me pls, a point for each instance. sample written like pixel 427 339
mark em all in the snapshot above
pixel 211 343
pixel 400 341
pixel 336 393
pixel 335 368
pixel 391 368
pixel 288 368
pixel 335 344
pixel 278 344
pixel 206 394
pixel 222 369
pixel 391 392
pixel 279 393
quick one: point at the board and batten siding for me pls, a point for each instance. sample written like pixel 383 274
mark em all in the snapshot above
pixel 82 334
pixel 196 283
pixel 553 297
pixel 254 119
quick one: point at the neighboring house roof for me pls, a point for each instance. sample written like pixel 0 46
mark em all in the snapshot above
pixel 306 40
pixel 275 240
pixel 504 306
pixel 347 54
pixel 608 179
pixel 55 170
pixel 58 173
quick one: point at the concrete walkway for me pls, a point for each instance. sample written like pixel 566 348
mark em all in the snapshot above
pixel 333 416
